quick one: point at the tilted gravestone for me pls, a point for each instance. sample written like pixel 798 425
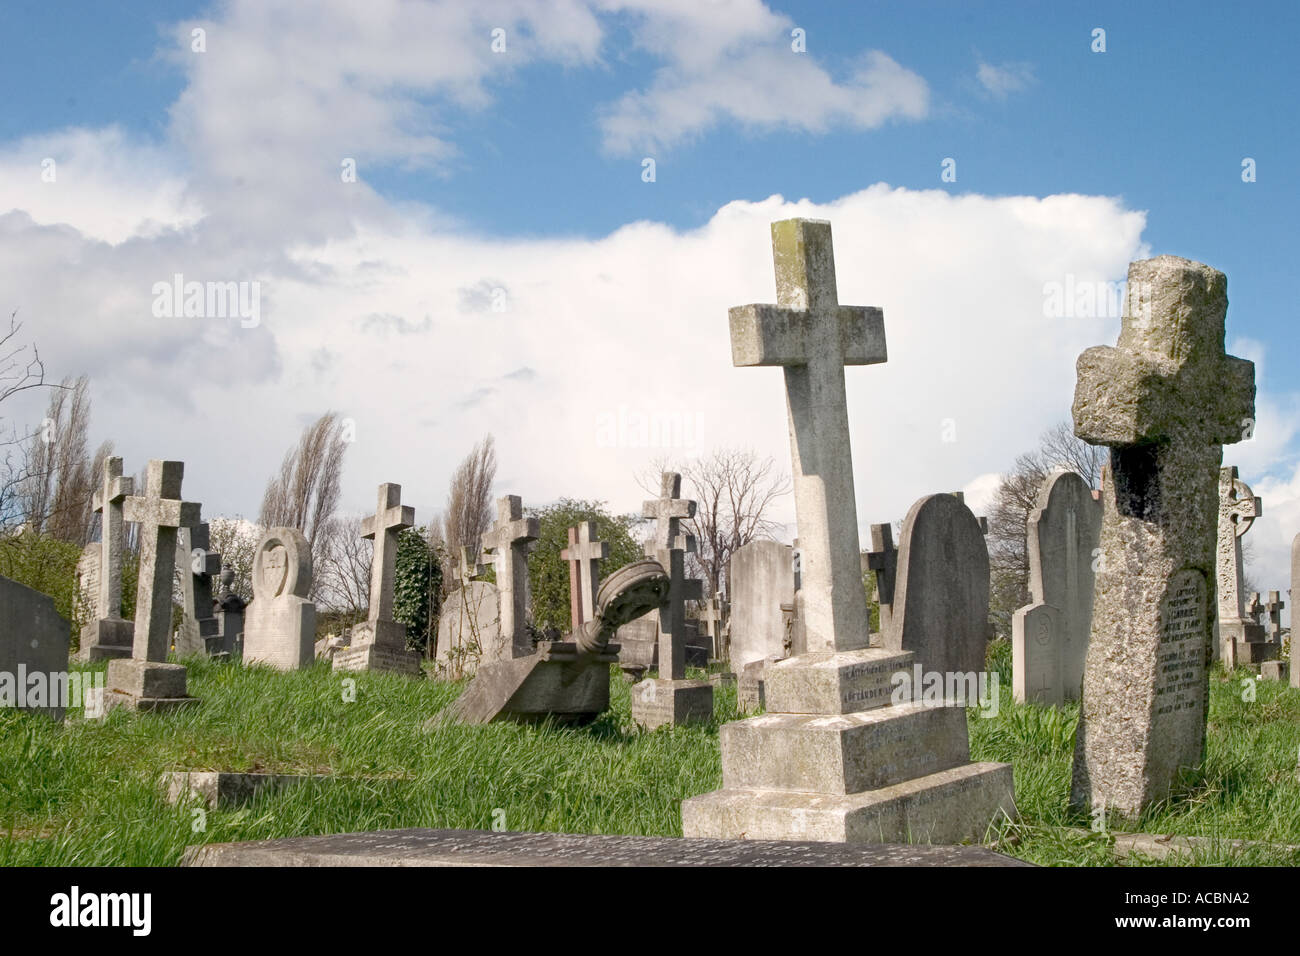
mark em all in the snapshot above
pixel 759 580
pixel 941 596
pixel 379 643
pixel 469 630
pixel 280 622
pixel 837 757
pixel 670 698
pixel 146 681
pixel 1165 400
pixel 107 636
pixel 196 564
pixel 34 641
pixel 1238 639
pixel 1049 637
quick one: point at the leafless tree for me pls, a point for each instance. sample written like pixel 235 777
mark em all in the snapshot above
pixel 468 513
pixel 734 491
pixel 342 578
pixel 55 494
pixel 305 494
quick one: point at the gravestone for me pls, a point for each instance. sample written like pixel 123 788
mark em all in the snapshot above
pixel 837 757
pixel 107 636
pixel 1274 611
pixel 712 619
pixel 671 698
pixel 638 643
pixel 280 622
pixel 941 595
pixel 760 578
pixel 34 640
pixel 197 633
pixel 379 642
pixel 584 554
pixel 1238 639
pixel 508 543
pixel 145 681
pixel 1049 636
pixel 228 608
pixel 882 560
pixel 469 630
pixel 1165 400
pixel 1295 596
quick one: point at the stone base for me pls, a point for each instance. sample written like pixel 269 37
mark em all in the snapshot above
pixel 556 682
pixel 106 639
pixel 659 702
pixel 751 690
pixel 952 806
pixel 378 657
pixel 1273 670
pixel 223 789
pixel 1253 652
pixel 146 686
pixel 845 682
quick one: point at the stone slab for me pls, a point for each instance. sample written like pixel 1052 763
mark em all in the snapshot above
pixel 220 789
pixel 951 806
pixel 146 678
pixel 845 682
pixel 485 848
pixel 106 639
pixel 760 579
pixel 33 636
pixel 378 657
pixel 1273 670
pixel 659 702
pixel 555 682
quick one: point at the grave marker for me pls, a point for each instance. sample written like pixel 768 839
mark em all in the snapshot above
pixel 198 630
pixel 280 628
pixel 107 635
pixel 1238 638
pixel 508 542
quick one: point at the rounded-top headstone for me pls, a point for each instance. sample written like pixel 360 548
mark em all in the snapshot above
pixel 282 565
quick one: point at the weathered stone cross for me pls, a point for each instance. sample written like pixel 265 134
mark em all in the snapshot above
pixel 1238 509
pixel 107 502
pixel 813 337
pixel 668 510
pixel 883 560
pixel 1274 610
pixel 159 512
pixel 669 548
pixel 1165 400
pixel 391 517
pixel 508 543
pixel 584 554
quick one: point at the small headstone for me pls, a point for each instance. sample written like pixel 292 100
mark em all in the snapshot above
pixel 1165 400
pixel 379 643
pixel 941 598
pixel 760 579
pixel 469 630
pixel 196 564
pixel 34 641
pixel 1049 637
pixel 280 623
pixel 107 636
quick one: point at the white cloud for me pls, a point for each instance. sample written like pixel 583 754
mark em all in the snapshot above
pixel 1006 78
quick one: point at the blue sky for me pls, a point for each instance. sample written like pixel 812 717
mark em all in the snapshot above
pixel 535 156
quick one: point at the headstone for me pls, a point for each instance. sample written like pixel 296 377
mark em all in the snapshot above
pixel 1236 634
pixel 508 543
pixel 882 560
pixel 280 622
pixel 469 631
pixel 1295 596
pixel 760 579
pixel 1164 400
pixel 941 597
pixel 107 635
pixel 379 643
pixel 228 609
pixel 638 643
pixel 197 565
pixel 584 554
pixel 34 641
pixel 671 698
pixel 1049 636
pixel 1274 611
pixel 713 624
pixel 836 758
pixel 146 682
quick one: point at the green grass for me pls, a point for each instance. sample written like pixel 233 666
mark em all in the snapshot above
pixel 86 793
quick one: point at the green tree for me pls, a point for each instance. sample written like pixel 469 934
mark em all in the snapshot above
pixel 45 564
pixel 416 586
pixel 548 573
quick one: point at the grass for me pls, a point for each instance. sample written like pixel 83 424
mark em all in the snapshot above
pixel 86 793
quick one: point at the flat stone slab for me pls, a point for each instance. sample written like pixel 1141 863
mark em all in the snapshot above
pixel 485 848
pixel 220 789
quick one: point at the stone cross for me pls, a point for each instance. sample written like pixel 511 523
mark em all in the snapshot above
pixel 1238 509
pixel 391 517
pixel 812 337
pixel 197 566
pixel 584 554
pixel 883 560
pixel 160 512
pixel 107 502
pixel 1274 610
pixel 469 568
pixel 1254 607
pixel 668 510
pixel 508 543
pixel 1165 400
pixel 712 615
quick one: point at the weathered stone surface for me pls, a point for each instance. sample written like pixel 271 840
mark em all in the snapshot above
pixel 34 639
pixel 196 565
pixel 759 581
pixel 842 683
pixel 941 598
pixel 1238 509
pixel 1273 670
pixel 1164 400
pixel 106 635
pixel 1049 637
pixel 508 544
pixel 280 628
pixel 659 702
pixel 638 643
pixel 224 789
pixel 485 848
pixel 668 510
pixel 584 554
pixel 146 686
pixel 751 687
pixel 228 609
pixel 469 631
pixel 882 560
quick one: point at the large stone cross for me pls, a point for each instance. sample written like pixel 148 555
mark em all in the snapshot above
pixel 159 512
pixel 1165 400
pixel 107 502
pixel 391 517
pixel 813 337
pixel 508 542
pixel 883 560
pixel 584 554
pixel 1238 509
pixel 668 510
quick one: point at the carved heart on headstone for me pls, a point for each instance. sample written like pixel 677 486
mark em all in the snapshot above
pixel 275 570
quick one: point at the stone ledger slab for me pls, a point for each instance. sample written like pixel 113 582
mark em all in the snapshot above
pixel 485 848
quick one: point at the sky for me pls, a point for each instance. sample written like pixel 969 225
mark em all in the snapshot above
pixel 529 217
